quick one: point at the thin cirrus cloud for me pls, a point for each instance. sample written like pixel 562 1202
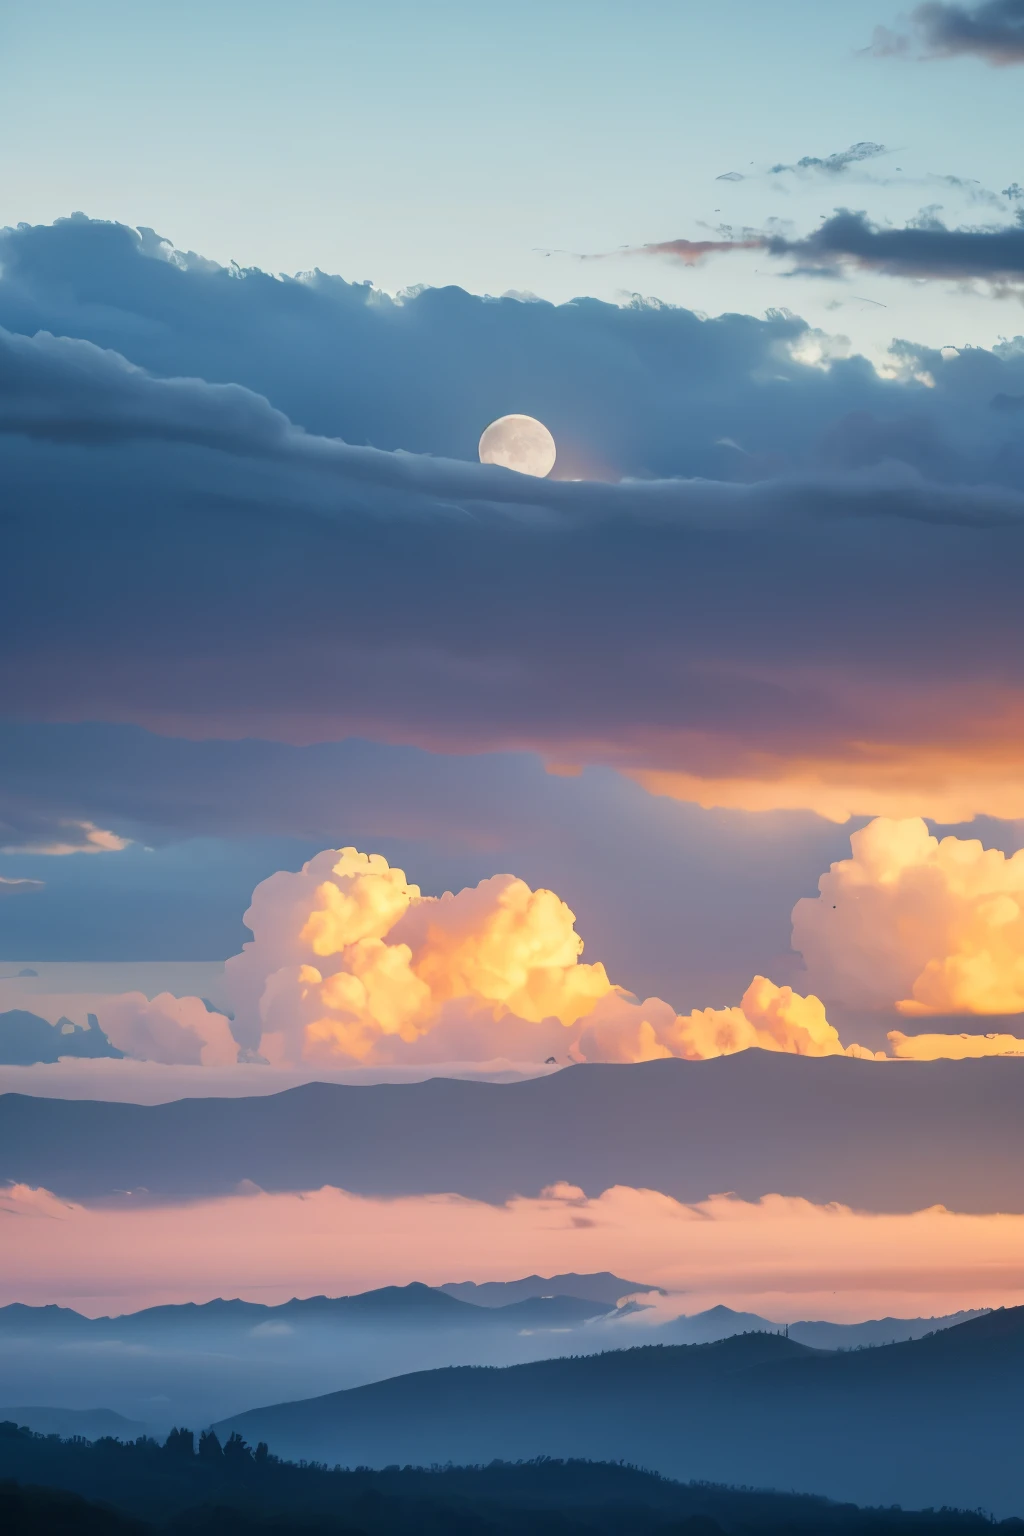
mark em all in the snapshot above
pixel 782 1256
pixel 322 633
pixel 67 837
pixel 18 887
pixel 992 30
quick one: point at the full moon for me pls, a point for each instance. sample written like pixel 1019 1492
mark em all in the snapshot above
pixel 518 442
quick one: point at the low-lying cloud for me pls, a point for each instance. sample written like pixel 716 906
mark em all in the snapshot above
pixel 782 1257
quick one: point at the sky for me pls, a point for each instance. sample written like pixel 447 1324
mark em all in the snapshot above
pixel 454 144
pixel 328 749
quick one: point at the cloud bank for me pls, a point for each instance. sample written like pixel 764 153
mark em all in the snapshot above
pixel 771 710
pixel 783 1257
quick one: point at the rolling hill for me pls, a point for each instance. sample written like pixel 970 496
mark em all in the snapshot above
pixel 933 1421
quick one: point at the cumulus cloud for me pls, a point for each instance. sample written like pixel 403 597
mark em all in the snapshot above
pixel 992 30
pixel 768 1017
pixel 932 926
pixel 167 1029
pixel 350 963
pixel 71 837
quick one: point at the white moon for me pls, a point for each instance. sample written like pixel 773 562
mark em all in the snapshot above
pixel 519 442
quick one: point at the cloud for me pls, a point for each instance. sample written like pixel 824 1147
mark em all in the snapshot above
pixel 932 926
pixel 992 30
pixel 689 252
pixel 167 1029
pixel 14 887
pixel 74 837
pixel 836 164
pixel 351 963
pixel 386 594
pixel 952 1047
pixel 924 250
pixel 768 1017
pixel 780 1256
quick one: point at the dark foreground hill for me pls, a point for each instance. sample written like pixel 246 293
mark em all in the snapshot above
pixel 886 1136
pixel 140 1489
pixel 928 1422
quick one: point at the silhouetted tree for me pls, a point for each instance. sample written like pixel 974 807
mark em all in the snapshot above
pixel 209 1446
pixel 180 1442
pixel 262 1454
pixel 236 1449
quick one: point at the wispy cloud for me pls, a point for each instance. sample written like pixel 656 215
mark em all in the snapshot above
pixel 9 887
pixel 71 837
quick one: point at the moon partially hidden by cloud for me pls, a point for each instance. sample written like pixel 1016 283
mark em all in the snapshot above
pixel 519 442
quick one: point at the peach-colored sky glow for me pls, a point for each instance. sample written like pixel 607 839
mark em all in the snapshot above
pixel 781 1256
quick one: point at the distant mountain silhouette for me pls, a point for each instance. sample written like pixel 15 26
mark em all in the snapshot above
pixel 604 1287
pixel 91 1423
pixel 942 1132
pixel 423 1307
pixel 933 1421
pixel 414 1306
pixel 723 1322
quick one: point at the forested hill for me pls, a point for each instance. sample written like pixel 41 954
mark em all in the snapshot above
pixel 74 1488
pixel 936 1420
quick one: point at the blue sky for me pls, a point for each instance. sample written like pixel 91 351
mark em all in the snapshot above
pixel 452 143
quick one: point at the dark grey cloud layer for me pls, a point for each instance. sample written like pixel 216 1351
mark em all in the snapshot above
pixel 992 30
pixel 181 556
pixel 191 546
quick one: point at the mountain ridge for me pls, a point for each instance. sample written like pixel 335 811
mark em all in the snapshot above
pixel 944 1133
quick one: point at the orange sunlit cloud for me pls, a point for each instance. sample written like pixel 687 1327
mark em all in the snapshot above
pixel 930 926
pixel 782 1256
pixel 350 965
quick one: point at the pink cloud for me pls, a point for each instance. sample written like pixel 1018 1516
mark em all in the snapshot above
pixel 781 1256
